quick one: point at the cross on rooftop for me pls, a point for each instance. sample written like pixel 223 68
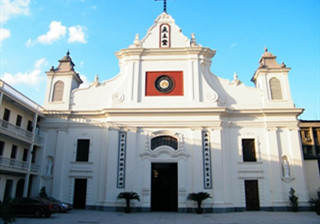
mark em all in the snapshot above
pixel 164 5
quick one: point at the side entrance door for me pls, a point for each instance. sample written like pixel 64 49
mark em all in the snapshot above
pixel 80 193
pixel 164 187
pixel 252 195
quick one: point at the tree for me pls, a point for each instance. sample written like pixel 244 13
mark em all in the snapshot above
pixel 198 197
pixel 128 196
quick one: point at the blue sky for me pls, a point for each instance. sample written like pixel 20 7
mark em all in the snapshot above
pixel 35 34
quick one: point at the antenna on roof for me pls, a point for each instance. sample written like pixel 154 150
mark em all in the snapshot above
pixel 164 5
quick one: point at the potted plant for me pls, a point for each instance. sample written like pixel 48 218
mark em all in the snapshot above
pixel 316 203
pixel 128 196
pixel 198 197
pixel 293 200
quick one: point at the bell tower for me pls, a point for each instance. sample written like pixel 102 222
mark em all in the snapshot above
pixel 272 78
pixel 60 83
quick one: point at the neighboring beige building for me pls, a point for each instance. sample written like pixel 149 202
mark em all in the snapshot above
pixel 164 127
pixel 310 139
pixel 20 143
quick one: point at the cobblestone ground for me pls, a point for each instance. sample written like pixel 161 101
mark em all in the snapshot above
pixel 101 217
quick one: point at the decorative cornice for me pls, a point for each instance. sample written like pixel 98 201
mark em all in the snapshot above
pixel 158 152
pixel 206 52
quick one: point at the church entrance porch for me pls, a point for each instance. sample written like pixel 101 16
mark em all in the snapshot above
pixel 164 187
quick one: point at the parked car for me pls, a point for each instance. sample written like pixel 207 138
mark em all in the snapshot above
pixel 34 207
pixel 62 206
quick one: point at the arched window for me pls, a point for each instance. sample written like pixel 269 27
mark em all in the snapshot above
pixel 164 140
pixel 275 88
pixel 58 91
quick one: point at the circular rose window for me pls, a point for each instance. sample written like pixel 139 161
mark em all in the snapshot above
pixel 164 84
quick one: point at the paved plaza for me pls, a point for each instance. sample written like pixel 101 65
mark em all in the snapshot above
pixel 101 217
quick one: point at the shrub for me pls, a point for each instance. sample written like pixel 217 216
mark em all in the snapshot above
pixel 128 196
pixel 6 211
pixel 316 203
pixel 198 197
pixel 293 200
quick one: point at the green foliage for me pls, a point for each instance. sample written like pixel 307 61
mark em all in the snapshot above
pixel 293 200
pixel 198 197
pixel 315 202
pixel 128 196
pixel 6 211
pixel 43 193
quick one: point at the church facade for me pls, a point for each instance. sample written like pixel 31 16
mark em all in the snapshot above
pixel 166 126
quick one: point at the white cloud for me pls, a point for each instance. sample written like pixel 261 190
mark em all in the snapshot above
pixel 76 34
pixel 56 32
pixel 32 78
pixel 4 34
pixel 85 81
pixel 30 43
pixel 9 8
pixel 233 45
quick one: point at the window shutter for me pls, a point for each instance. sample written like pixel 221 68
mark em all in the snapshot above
pixel 58 91
pixel 275 87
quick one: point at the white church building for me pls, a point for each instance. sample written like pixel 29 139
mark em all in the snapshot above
pixel 166 126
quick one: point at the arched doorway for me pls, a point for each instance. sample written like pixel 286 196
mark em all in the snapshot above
pixel 20 187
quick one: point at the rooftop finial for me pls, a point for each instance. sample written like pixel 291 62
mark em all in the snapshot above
pixel 265 49
pixel 164 5
pixel 68 53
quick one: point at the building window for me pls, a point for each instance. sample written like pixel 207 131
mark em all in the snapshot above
pixel 306 137
pixel 18 122
pixel 29 126
pixel 248 150
pixel 164 140
pixel 25 155
pixel 33 154
pixel 316 136
pixel 13 152
pixel 6 115
pixel 58 91
pixel 1 148
pixel 83 150
pixel 275 88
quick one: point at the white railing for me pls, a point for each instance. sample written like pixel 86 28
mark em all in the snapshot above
pixel 17 165
pixel 19 96
pixel 15 130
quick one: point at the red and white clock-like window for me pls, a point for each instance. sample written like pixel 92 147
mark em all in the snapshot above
pixel 167 83
pixel 164 40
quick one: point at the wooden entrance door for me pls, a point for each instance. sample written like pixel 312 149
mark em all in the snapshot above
pixel 164 187
pixel 80 193
pixel 252 195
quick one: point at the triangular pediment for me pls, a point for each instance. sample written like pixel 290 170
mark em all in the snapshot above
pixel 164 33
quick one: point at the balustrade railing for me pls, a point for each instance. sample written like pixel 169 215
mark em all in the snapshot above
pixel 11 91
pixel 15 130
pixel 17 165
